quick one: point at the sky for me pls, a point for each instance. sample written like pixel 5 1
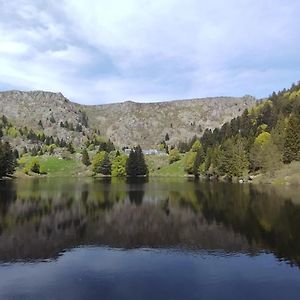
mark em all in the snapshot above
pixel 99 51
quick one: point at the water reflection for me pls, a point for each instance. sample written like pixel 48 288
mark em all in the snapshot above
pixel 41 218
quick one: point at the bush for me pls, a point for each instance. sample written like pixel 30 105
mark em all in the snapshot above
pixel 34 167
pixel 174 155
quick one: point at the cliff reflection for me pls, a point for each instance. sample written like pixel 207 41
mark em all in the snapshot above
pixel 41 218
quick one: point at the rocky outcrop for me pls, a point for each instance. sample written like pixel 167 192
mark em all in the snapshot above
pixel 128 123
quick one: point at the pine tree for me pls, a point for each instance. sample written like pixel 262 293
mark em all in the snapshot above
pixel 105 167
pixel 136 165
pixel 7 160
pixel 199 159
pixel 292 142
pixel 85 158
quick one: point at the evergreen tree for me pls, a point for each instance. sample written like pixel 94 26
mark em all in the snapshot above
pixel 233 160
pixel 136 165
pixel 292 142
pixel 105 167
pixel 85 158
pixel 7 160
pixel 199 159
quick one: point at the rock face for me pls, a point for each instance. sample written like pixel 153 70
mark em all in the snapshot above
pixel 128 123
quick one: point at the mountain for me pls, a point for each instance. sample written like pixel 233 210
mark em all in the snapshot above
pixel 126 124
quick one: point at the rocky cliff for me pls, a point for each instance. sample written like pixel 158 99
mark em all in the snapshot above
pixel 126 124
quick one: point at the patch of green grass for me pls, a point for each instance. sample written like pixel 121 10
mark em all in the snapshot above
pixel 55 166
pixel 155 162
pixel 176 169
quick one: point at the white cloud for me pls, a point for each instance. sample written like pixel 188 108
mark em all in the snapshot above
pixel 101 51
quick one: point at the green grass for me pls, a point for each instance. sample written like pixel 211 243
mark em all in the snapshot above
pixel 60 167
pixel 55 167
pixel 174 170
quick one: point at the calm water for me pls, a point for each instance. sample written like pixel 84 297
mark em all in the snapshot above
pixel 162 239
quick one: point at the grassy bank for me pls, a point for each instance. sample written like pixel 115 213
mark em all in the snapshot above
pixel 287 175
pixel 54 167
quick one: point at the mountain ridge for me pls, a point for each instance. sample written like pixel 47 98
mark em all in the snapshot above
pixel 125 123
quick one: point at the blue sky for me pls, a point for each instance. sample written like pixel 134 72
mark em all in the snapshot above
pixel 96 51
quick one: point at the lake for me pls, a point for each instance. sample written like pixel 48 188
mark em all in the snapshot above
pixel 148 239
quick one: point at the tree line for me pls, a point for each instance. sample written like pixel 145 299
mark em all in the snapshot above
pixel 261 139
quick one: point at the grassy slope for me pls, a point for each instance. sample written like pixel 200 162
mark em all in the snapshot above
pixel 56 167
pixel 173 170
pixel 288 174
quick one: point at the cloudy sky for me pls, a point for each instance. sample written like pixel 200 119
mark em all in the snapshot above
pixel 99 51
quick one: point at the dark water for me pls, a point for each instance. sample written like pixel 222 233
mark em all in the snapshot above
pixel 162 239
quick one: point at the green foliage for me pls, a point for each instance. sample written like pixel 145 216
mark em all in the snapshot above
pixel 105 167
pixel 194 158
pixel 85 158
pixel 279 133
pixel 189 161
pixel 292 141
pixel 196 146
pixel 34 166
pixel 174 155
pixel 7 160
pixel 97 161
pixel 119 166
pixel 199 160
pixel 262 138
pixel 136 165
pixel 233 159
pixel 12 131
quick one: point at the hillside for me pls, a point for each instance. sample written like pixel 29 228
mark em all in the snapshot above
pixel 126 124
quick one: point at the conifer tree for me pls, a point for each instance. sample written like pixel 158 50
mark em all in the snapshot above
pixel 7 160
pixel 292 142
pixel 85 158
pixel 105 167
pixel 136 165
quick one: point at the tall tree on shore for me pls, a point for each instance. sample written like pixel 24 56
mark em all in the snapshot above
pixel 85 158
pixel 105 167
pixel 292 142
pixel 7 160
pixel 136 165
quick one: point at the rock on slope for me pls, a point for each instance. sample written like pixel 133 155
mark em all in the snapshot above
pixel 127 123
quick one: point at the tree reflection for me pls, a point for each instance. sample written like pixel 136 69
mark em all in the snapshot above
pixel 41 218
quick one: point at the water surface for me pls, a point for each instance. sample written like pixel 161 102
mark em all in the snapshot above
pixel 159 239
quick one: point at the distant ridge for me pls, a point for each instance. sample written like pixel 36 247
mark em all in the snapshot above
pixel 127 123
